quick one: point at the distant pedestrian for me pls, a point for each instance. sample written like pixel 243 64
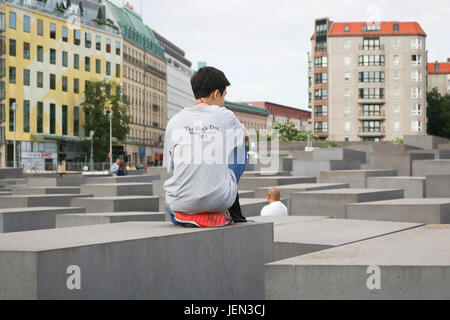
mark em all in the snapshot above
pixel 122 171
pixel 115 167
pixel 276 207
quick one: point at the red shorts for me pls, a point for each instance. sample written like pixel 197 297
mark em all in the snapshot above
pixel 204 220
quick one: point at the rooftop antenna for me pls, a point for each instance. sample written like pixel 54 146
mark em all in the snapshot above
pixel 330 9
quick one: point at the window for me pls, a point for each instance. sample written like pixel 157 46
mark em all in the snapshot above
pixel 108 45
pixel 65 84
pixel 118 70
pixel 396 109
pixel 26 77
pixel 52 56
pixel 40 117
pixel 64 120
pixel 52 82
pixel 118 48
pixel 396 126
pixel 12 20
pixel 396 44
pixel 371 44
pixel 40 54
pixel 321 94
pixel 320 78
pixel 87 64
pixel 2 68
pixel 371 60
pixel 40 27
pixel 65 34
pixel 371 93
pixel 396 92
pixel 396 27
pixel 416 76
pixel 416 93
pixel 76 37
pixel 347 93
pixel 76 121
pixel 371 27
pixel 26 116
pixel 76 61
pixel 371 126
pixel 416 59
pixel 346 44
pixel 371 110
pixel 52 118
pixel 396 60
pixel 98 43
pixel 347 61
pixel 26 24
pixel 88 40
pixel 11 114
pixel 26 50
pixel 347 126
pixel 65 59
pixel 416 110
pixel 76 85
pixel 12 75
pixel 321 62
pixel 52 31
pixel 12 47
pixel 416 126
pixel 347 110
pixel 416 44
pixel 2 94
pixel 437 79
pixel 2 113
pixel 40 79
pixel 347 28
pixel 320 111
pixel 321 126
pixel 98 66
pixel 371 76
pixel 347 77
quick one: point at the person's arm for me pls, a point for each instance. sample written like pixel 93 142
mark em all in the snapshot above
pixel 167 155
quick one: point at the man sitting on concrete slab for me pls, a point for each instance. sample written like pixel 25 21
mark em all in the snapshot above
pixel 276 207
pixel 205 150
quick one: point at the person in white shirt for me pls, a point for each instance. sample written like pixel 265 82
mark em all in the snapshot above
pixel 115 167
pixel 276 207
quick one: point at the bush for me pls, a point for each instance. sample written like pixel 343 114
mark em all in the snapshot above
pixel 331 144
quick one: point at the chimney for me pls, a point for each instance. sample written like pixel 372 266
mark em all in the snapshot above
pixel 448 60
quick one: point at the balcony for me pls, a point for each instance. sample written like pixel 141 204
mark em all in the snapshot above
pixel 372 132
pixel 142 65
pixel 381 115
pixel 371 48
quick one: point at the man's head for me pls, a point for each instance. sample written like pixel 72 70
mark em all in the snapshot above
pixel 273 195
pixel 210 85
pixel 118 161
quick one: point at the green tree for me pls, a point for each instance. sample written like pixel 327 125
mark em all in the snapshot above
pixel 100 99
pixel 438 113
pixel 288 132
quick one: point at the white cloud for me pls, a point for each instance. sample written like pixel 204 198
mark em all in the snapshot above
pixel 261 45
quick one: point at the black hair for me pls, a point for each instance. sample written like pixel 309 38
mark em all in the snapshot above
pixel 207 80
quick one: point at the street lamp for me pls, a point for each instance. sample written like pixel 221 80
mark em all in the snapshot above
pixel 110 141
pixel 13 109
pixel 92 150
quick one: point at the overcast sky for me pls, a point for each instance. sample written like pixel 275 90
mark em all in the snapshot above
pixel 262 45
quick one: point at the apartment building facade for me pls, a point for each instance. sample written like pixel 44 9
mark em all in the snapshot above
pixel 367 81
pixel 144 85
pixel 53 52
pixel 439 77
pixel 251 116
pixel 179 73
pixel 2 83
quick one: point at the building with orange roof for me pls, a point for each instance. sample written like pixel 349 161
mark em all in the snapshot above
pixel 367 81
pixel 439 76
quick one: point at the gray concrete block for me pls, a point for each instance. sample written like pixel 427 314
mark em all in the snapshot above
pixel 299 238
pixel 338 154
pixel 356 178
pixel 431 167
pixel 424 142
pixel 65 181
pixel 118 189
pixel 438 186
pixel 414 187
pixel 266 174
pixel 253 207
pixel 313 168
pixel 24 190
pixel 243 194
pixel 402 162
pixel 88 219
pixel 374 147
pixel 137 260
pixel 444 154
pixel 427 211
pixel 11 173
pixel 126 179
pixel 253 183
pixel 6 183
pixel 333 202
pixel 117 204
pixel 46 200
pixel 27 219
pixel 413 264
pixel 279 221
pixel 286 164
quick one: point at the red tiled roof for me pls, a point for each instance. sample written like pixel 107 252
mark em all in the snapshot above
pixel 387 29
pixel 444 68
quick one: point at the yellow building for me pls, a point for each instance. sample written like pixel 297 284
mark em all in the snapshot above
pixel 52 54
